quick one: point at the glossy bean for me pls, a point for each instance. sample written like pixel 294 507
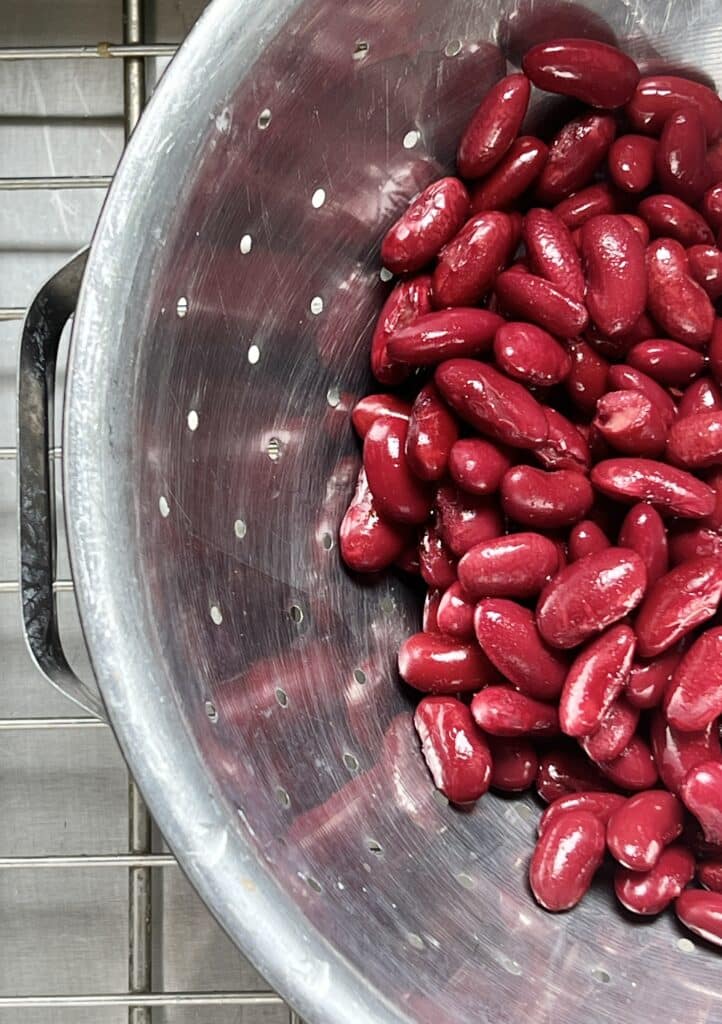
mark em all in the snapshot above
pixel 631 162
pixel 508 635
pixel 623 377
pixel 430 221
pixel 649 678
pixel 564 447
pixel 715 351
pixel 634 768
pixel 681 160
pixel 659 97
pixel 455 752
pixel 371 407
pixel 563 772
pixel 432 338
pixel 515 566
pixel 643 531
pixel 679 305
pixel 545 500
pixel 616 277
pixel 529 354
pixel 431 435
pixel 551 252
pixel 714 162
pixel 436 562
pixel 514 764
pixel 595 680
pixel 408 561
pixel 408 301
pixel 694 697
pixel 369 543
pixel 701 792
pixel 587 380
pixel 709 874
pixel 574 155
pixel 492 403
pixel 641 229
pixel 565 860
pixel 671 218
pixel 429 621
pixel 714 479
pixel 533 298
pixel 434 663
pixel 501 711
pixel 668 362
pixel 585 204
pixel 597 802
pixel 676 753
pixel 615 731
pixel 516 172
pixel 397 494
pixel 701 912
pixel 455 615
pixel 711 206
pixel 671 490
pixel 631 424
pixel 693 542
pixel 702 395
pixel 477 466
pixel 465 520
pixel 705 266
pixel 696 441
pixel 593 72
pixel 587 538
pixel 650 892
pixel 639 830
pixel 684 598
pixel 590 595
pixel 470 263
pixel 494 126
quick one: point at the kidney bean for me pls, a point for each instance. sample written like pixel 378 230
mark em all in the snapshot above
pixel 714 479
pixel 640 829
pixel 660 96
pixel 715 351
pixel 563 772
pixel 617 727
pixel 455 616
pixel 508 635
pixel 694 542
pixel 701 912
pixel 515 173
pixel 672 218
pixel 622 377
pixel 514 764
pixel 456 754
pixel 631 162
pixel 676 753
pixel 545 500
pixel 672 490
pixel 589 202
pixel 696 441
pixel 616 279
pixel 705 266
pixel 517 565
pixel 529 354
pixel 694 698
pixel 709 874
pixel 565 860
pixel 397 494
pixel 465 520
pixel 701 792
pixel 470 263
pixel 595 680
pixel 593 72
pixel 650 892
pixel 668 362
pixel 551 252
pixel 629 422
pixel 565 447
pixel 368 542
pixel 501 711
pixel 492 403
pixel 437 564
pixel 701 395
pixel 634 768
pixel 432 338
pixel 494 126
pixel 597 802
pixel 477 466
pixel 683 599
pixel 431 435
pixel 648 680
pixel 428 223
pixel 429 622
pixel 408 301
pixel 408 560
pixel 587 379
pixel 533 298
pixel 574 155
pixel 682 155
pixel 434 663
pixel 587 538
pixel 371 407
pixel 676 301
pixel 643 531
pixel 711 206
pixel 641 229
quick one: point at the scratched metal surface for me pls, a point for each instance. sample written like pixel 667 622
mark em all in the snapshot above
pixel 64 792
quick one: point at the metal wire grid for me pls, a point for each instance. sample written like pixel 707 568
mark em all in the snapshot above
pixel 139 860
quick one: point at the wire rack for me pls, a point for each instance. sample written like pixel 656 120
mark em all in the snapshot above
pixel 140 859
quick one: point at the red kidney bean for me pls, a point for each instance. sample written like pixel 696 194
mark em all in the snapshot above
pixel 536 498
pixel 515 173
pixel 616 279
pixel 565 447
pixel 587 538
pixel 371 407
pixel 432 433
pixel 585 204
pixel 597 802
pixel 705 266
pixel 514 764
pixel 563 772
pixel 431 220
pixel 434 663
pixel 676 301
pixel 694 698
pixel 634 768
pixel 671 218
pixel 595 680
pixel 711 206
pixel 701 912
pixel 477 466
pixel 714 520
pixel 429 622
pixel 465 520
pixel 469 264
pixel 590 595
pixel 508 635
pixel 676 753
pixel 368 542
pixel 660 96
pixel 715 351
pixel 714 162
pixel 696 441
pixel 668 362
pixel 643 531
pixel 683 599
pixel 408 301
pixel 455 616
pixel 455 752
pixel 682 155
pixel 517 565
pixel 631 162
pixel 533 298
pixel 629 422
pixel 626 378
pixel 574 155
pixel 709 874
pixel 551 252
pixel 694 542
pixel 672 490
pixel 642 231
pixel 649 679
pixel 590 71
pixel 565 859
pixel 442 335
pixel 587 380
pixel 408 560
pixel 615 732
pixel 492 403
pixel 437 564
pixel 501 711
pixel 397 494
pixel 701 792
pixel 494 126
pixel 640 829
pixel 650 892
pixel 531 355
pixel 701 395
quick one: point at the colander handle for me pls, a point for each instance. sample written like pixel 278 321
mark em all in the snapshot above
pixel 42 331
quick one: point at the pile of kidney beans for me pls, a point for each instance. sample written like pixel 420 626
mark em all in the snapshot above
pixel 552 467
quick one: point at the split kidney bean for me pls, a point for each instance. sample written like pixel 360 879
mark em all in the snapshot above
pixel 397 494
pixel 470 263
pixel 679 305
pixel 551 252
pixel 681 600
pixel 432 338
pixel 705 266
pixel 676 753
pixel 711 206
pixel 590 71
pixel 659 97
pixel 615 732
pixel 694 697
pixel 595 680
pixel 455 615
pixel 623 377
pixel 671 218
pixel 709 874
pixel 701 912
pixel 587 538
pixel 634 768
pixel 648 680
pixel 501 711
pixel 494 126
pixel 514 566
pixel 429 622
pixel 694 542
pixel 639 830
pixel 650 892
pixel 517 171
pixel 434 663
pixel 631 162
pixel 565 860
pixel 431 435
pixel 631 423
pixel 597 802
pixel 701 792
pixel 701 395
pixel 589 202
pixel 696 441
pixel 616 278
pixel 574 155
pixel 565 447
pixel 590 595
pixel 408 301
pixel 492 403
pixel 587 380
pixel 531 355
pixel 514 764
pixel 508 635
pixel 668 362
pixel 533 298
pixel 432 219
pixel 643 531
pixel 670 489
pixel 545 500
pixel 465 520
pixel 682 155
pixel 436 562
pixel 564 772
pixel 477 466
pixel 456 753
pixel 371 407
pixel 368 542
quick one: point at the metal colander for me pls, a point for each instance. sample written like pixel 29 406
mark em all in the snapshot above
pixel 221 338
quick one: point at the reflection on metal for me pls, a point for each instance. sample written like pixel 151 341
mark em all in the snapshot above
pixel 102 50
pixel 156 999
pixel 34 184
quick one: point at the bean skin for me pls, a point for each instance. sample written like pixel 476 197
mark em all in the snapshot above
pixel 668 362
pixel 623 377
pixel 631 162
pixel 711 206
pixel 565 860
pixel 676 753
pixel 563 772
pixel 431 220
pixel 397 494
pixel 587 538
pixel 682 155
pixel 701 912
pixel 514 764
pixel 615 732
pixel 587 380
pixel 684 598
pixel 589 202
pixel 517 171
pixel 465 520
pixel 432 338
pixel 529 354
pixel 477 466
pixel 514 566
pixel 551 252
pixel 639 830
pixel 371 407
pixel 469 264
pixel 429 622
pixel 597 802
pixel 641 229
pixel 670 217
pixel 456 753
pixel 643 531
pixel 408 561
pixel 679 305
pixel 533 298
pixel 705 266
pixel 546 501
pixel 693 542
pixel 408 301
pixel 715 351
pixel 709 874
pixel 494 126
pixel 695 442
pixel 615 270
pixel 574 155
pixel 650 892
pixel 634 768
pixel 455 615
pixel 434 663
pixel 431 435
pixel 701 792
pixel 501 711
pixel 631 424
pixel 595 680
pixel 702 395
pixel 694 697
pixel 649 679
pixel 565 447
pixel 593 72
pixel 368 542
pixel 436 562
pixel 671 490
pixel 659 97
